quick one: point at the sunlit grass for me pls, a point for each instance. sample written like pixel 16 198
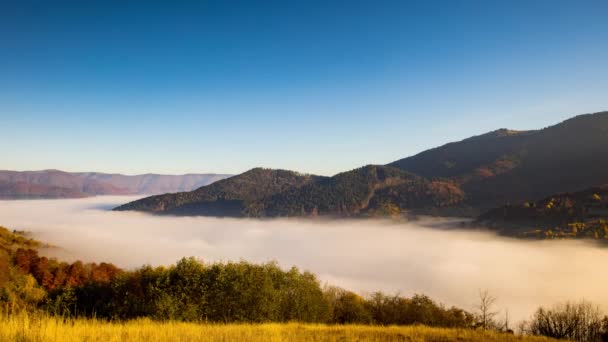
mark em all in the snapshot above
pixel 34 327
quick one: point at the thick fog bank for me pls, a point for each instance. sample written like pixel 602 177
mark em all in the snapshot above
pixel 448 265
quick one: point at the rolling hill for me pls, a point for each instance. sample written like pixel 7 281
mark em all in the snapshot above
pixel 465 177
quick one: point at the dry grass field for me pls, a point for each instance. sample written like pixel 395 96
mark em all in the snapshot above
pixel 42 328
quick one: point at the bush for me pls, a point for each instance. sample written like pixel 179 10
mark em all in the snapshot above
pixel 574 321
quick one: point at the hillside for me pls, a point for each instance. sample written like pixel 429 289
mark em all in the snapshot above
pixel 9 243
pixel 582 214
pixel 507 166
pixel 60 184
pixel 234 196
pixel 369 190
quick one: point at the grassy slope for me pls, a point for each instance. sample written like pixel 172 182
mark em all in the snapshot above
pixel 22 327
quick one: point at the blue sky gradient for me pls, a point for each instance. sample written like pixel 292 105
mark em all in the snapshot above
pixel 313 86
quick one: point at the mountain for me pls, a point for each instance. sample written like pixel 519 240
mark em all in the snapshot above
pixel 582 214
pixel 153 183
pixel 465 177
pixel 233 196
pixel 271 193
pixel 507 166
pixel 52 184
pixel 60 184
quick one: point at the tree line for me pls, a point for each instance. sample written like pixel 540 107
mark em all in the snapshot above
pixel 192 290
pixel 195 291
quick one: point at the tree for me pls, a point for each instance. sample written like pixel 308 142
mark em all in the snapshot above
pixel 485 308
pixel 346 306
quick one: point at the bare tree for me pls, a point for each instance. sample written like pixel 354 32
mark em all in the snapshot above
pixel 522 328
pixel 485 308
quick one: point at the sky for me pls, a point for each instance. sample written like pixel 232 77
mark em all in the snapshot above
pixel 314 86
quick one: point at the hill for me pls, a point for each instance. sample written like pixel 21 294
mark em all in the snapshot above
pixel 234 196
pixel 60 184
pixel 582 214
pixel 260 192
pixel 465 177
pixel 371 190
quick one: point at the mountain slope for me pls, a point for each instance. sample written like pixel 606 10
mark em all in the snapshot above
pixel 471 176
pixel 370 190
pixel 271 193
pixel 510 166
pixel 233 196
pixel 582 214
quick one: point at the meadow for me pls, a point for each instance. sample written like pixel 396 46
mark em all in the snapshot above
pixel 44 328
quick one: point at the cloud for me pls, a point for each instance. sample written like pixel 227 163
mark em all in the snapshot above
pixel 430 256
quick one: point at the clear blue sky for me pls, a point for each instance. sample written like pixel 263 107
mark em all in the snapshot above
pixel 314 86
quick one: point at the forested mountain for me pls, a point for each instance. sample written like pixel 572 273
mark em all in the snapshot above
pixel 370 190
pixel 475 174
pixel 60 184
pixel 234 196
pixel 481 172
pixel 270 193
pixel 510 166
pixel 582 214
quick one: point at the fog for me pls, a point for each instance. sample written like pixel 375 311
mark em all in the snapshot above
pixel 449 265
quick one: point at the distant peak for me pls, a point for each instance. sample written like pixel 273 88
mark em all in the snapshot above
pixel 503 132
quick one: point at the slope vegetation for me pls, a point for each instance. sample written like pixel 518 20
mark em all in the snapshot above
pixel 510 166
pixel 273 193
pixel 234 196
pixel 582 214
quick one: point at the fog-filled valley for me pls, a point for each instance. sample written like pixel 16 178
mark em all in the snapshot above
pixel 430 256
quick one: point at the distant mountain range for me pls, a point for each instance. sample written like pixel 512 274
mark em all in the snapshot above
pixel 60 184
pixel 465 177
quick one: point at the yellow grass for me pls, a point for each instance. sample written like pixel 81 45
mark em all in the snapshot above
pixel 24 327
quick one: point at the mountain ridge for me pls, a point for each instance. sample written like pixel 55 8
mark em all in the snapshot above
pixel 53 183
pixel 472 175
